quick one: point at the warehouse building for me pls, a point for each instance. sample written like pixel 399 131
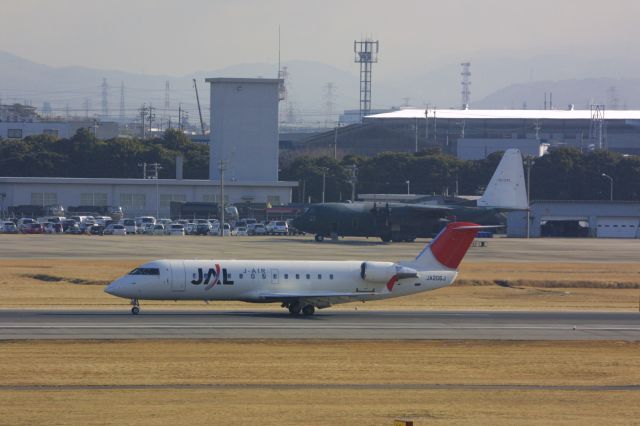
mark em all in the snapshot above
pixel 473 134
pixel 602 219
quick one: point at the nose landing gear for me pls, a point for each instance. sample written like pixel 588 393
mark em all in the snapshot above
pixel 135 310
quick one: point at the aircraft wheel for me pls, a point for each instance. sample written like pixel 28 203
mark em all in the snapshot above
pixel 319 238
pixel 294 308
pixel 135 310
pixel 308 310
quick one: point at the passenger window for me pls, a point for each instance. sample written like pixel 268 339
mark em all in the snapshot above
pixel 319 276
pixel 297 276
pixel 240 276
pixel 286 276
pixel 330 276
pixel 308 276
pixel 229 276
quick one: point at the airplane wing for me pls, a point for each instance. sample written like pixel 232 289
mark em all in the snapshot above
pixel 322 298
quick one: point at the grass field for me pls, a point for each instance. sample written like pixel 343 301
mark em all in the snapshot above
pixel 79 283
pixel 317 382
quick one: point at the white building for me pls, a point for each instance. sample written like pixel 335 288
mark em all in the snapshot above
pixel 136 196
pixel 244 129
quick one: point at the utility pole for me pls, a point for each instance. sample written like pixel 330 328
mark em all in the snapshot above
pixel 335 142
pixel 324 179
pixel 143 114
pixel 199 109
pixel 156 169
pixel 221 167
pixel 144 169
pixel 416 125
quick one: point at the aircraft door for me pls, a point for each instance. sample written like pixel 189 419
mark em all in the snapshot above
pixel 275 276
pixel 178 276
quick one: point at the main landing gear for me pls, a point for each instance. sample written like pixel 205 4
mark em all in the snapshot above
pixel 135 310
pixel 296 307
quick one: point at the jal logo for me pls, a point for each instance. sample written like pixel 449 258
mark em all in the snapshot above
pixel 211 277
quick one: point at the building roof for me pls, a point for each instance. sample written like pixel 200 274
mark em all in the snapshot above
pixel 493 114
pixel 242 80
pixel 149 182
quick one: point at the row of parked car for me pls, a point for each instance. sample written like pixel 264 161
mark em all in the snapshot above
pixel 147 225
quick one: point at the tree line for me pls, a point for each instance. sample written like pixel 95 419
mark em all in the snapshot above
pixel 562 174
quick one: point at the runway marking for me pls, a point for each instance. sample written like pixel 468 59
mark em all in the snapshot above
pixel 299 386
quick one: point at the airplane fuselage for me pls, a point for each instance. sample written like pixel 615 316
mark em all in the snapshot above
pixel 268 281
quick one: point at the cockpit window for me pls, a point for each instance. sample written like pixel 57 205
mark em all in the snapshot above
pixel 145 271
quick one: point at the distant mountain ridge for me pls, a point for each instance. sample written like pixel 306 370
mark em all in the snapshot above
pixel 497 82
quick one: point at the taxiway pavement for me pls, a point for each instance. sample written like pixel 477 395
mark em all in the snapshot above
pixel 382 325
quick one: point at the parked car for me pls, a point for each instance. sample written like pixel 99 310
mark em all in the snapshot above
pixel 9 228
pixel 115 229
pixel 280 227
pixel 52 228
pixel 147 228
pixel 239 231
pixel 24 222
pixel 176 229
pixel 97 230
pixel 259 229
pixel 158 229
pixel 33 228
pixel 130 226
pixel 202 229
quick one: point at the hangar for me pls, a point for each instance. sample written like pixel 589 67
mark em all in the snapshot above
pixel 601 219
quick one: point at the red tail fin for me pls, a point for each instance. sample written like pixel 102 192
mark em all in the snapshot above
pixel 452 243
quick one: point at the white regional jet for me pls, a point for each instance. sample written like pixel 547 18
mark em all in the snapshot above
pixel 300 286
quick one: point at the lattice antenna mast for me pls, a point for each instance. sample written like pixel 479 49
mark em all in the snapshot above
pixel 466 92
pixel 105 98
pixel 597 130
pixel 122 102
pixel 167 103
pixel 366 54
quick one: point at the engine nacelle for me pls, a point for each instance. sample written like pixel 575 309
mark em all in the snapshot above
pixel 377 271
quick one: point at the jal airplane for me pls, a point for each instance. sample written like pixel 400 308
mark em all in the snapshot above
pixel 300 286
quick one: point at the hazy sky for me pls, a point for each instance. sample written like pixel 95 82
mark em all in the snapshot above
pixel 179 37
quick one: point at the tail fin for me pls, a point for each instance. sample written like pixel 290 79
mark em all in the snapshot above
pixel 449 246
pixel 506 189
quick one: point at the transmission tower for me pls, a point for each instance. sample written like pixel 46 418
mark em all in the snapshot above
pixel 122 102
pixel 105 99
pixel 87 106
pixel 167 103
pixel 466 93
pixel 366 54
pixel 597 130
pixel 329 104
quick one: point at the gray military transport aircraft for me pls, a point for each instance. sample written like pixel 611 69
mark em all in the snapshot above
pixel 406 222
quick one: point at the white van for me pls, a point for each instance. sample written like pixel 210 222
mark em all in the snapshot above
pixel 130 225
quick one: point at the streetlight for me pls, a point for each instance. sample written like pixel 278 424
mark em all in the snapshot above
pixel 604 175
pixel 408 182
pixel 530 163
pixel 324 178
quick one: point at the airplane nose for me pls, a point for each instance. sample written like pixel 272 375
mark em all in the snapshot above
pixel 113 288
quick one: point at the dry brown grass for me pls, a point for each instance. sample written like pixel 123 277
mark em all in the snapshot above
pixel 256 368
pixel 487 285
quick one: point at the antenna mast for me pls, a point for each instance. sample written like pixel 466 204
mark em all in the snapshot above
pixel 366 54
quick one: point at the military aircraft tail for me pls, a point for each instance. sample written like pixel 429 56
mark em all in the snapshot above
pixel 507 189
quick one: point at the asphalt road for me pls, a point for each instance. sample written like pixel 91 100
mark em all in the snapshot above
pixel 384 325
